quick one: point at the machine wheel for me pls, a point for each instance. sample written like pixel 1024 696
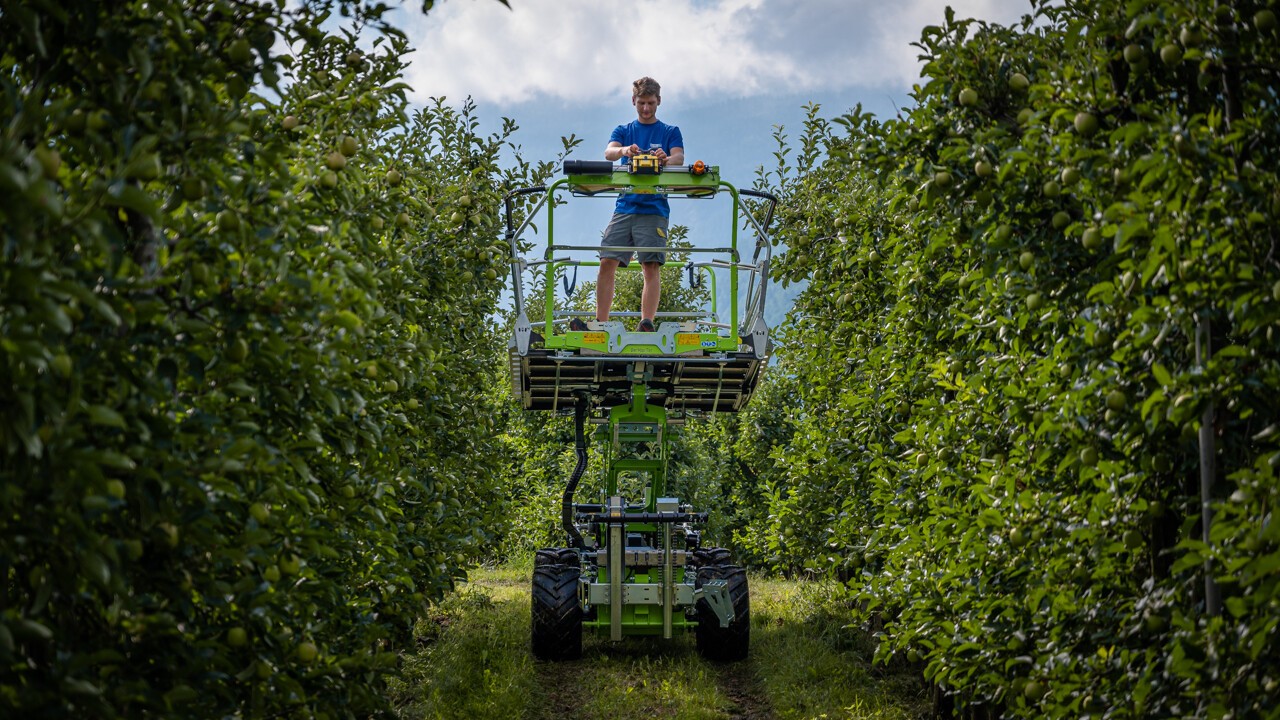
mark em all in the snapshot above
pixel 556 556
pixel 557 616
pixel 731 643
pixel 704 557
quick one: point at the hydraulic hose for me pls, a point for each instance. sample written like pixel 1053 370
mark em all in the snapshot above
pixel 580 446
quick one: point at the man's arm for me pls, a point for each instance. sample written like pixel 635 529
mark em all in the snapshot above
pixel 676 157
pixel 616 151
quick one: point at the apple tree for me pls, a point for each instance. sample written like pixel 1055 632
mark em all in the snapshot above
pixel 244 298
pixel 1033 299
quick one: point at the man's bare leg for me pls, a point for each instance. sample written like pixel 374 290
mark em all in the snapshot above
pixel 604 288
pixel 652 290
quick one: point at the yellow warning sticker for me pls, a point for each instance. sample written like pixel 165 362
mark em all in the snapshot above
pixel 688 339
pixel 595 337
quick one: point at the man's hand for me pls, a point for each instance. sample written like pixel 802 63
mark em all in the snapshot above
pixel 660 154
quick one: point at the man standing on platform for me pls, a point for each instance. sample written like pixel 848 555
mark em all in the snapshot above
pixel 639 220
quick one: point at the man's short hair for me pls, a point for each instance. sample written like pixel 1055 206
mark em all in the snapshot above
pixel 646 86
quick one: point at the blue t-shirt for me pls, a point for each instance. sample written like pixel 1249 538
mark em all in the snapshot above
pixel 645 136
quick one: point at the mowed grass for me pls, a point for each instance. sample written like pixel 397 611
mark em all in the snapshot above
pixel 474 662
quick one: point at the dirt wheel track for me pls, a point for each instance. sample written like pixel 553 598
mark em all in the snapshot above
pixel 739 684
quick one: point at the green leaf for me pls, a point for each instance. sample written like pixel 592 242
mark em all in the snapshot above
pixel 1161 374
pixel 131 197
pixel 103 415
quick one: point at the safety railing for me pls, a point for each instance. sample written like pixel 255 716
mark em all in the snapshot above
pixel 674 182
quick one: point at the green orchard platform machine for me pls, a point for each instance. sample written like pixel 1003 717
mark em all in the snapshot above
pixel 634 564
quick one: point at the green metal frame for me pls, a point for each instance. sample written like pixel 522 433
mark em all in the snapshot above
pixel 644 599
pixel 638 422
pixel 678 182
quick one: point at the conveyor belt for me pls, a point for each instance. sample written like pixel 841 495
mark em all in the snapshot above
pixel 546 380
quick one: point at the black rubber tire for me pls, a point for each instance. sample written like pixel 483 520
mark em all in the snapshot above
pixel 725 644
pixel 705 557
pixel 555 556
pixel 556 626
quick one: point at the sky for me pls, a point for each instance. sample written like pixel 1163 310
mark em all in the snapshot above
pixel 732 72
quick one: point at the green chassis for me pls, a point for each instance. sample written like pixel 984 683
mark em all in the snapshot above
pixel 633 385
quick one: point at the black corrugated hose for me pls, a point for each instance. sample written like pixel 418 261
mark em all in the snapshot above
pixel 580 445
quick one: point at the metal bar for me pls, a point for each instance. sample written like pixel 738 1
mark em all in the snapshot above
pixel 733 273
pixel 715 404
pixel 515 236
pixel 623 359
pixel 616 568
pixel 654 518
pixel 664 249
pixel 555 399
pixel 731 266
pixel 517 287
pixel 565 261
pixel 668 591
pixel 628 313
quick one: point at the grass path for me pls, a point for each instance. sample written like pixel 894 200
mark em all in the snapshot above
pixel 474 662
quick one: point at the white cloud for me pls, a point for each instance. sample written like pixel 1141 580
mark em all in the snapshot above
pixel 581 51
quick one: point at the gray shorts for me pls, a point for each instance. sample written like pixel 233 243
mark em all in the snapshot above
pixel 635 231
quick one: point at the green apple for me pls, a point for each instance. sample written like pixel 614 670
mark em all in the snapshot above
pixel 193 188
pixel 308 652
pixel 1088 457
pixel 1091 239
pixel 227 220
pixel 239 52
pixel 1117 400
pixel 1086 124
pixel 63 365
pixel 1264 20
pixel 238 350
